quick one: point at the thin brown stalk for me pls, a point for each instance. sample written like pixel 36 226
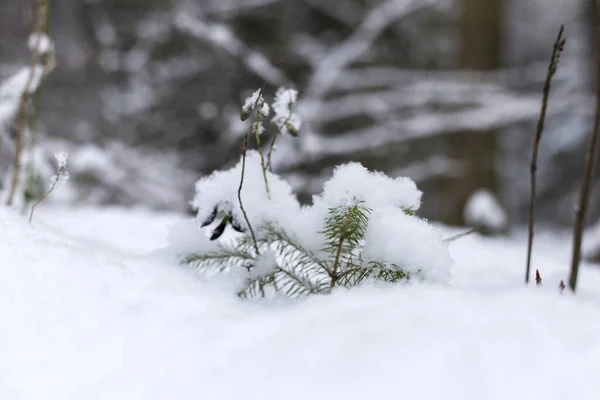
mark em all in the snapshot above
pixel 271 150
pixel 260 152
pixel 461 235
pixel 272 147
pixel 586 185
pixel 22 113
pixel 556 51
pixel 244 150
pixel 59 173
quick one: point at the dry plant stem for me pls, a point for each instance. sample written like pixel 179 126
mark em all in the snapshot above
pixel 275 138
pixel 262 157
pixel 461 235
pixel 558 45
pixel 271 150
pixel 244 149
pixel 40 201
pixel 22 113
pixel 590 164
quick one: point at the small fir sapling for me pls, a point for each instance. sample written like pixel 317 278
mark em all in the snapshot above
pixel 362 227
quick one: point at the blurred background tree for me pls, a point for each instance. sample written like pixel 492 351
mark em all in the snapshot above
pixel 146 94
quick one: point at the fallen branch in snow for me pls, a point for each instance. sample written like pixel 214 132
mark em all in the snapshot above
pixel 557 50
pixel 590 164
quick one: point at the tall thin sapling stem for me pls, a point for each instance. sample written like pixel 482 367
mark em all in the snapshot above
pixel 557 50
pixel 244 150
pixel 590 166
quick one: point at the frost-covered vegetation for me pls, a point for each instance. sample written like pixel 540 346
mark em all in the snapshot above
pixel 108 302
pixel 362 227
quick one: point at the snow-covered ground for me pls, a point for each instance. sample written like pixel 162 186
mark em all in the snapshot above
pixel 89 310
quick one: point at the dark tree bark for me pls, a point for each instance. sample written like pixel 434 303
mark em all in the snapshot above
pixel 481 50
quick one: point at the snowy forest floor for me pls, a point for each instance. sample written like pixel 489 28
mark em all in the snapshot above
pixel 91 308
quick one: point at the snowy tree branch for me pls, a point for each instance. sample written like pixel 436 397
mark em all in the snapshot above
pixel 221 36
pixel 351 49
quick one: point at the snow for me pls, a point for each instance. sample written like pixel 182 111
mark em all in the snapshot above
pixel 140 231
pixel 62 176
pixel 375 188
pixel 133 176
pixel 61 158
pixel 220 189
pixel 25 79
pixel 285 119
pixel 255 100
pixel 591 243
pixel 265 264
pixel 418 249
pixel 40 41
pixel 83 314
pixel 484 210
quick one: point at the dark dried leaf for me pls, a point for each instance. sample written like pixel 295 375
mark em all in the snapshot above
pixel 219 230
pixel 210 218
pixel 236 225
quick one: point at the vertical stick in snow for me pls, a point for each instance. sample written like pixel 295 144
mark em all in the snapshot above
pixel 590 164
pixel 558 48
pixel 42 18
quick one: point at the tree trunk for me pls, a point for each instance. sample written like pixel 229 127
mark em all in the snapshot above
pixel 481 40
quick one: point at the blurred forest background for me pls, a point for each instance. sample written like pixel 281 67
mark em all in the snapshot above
pixel 146 95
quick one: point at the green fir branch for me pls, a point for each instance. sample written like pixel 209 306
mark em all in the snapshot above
pixel 344 231
pixel 222 260
pixel 373 270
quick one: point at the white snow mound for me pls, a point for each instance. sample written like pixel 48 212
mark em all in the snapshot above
pixel 80 320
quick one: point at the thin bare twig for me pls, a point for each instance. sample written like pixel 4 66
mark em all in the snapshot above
pixel 260 152
pixel 244 149
pixel 461 235
pixel 556 51
pixel 271 150
pixel 22 113
pixel 590 165
pixel 59 173
pixel 279 130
